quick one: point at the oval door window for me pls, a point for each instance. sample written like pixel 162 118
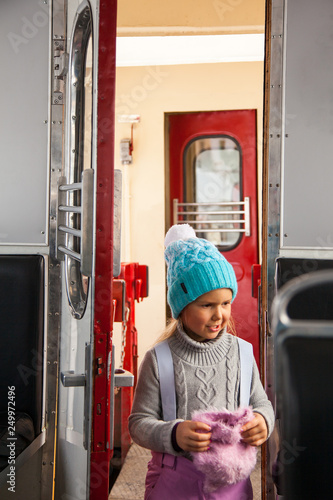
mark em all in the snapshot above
pixel 213 189
pixel 79 130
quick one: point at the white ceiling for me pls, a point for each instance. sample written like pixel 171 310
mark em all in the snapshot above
pixel 169 50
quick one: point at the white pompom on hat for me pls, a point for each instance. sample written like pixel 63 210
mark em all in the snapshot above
pixel 179 232
pixel 195 267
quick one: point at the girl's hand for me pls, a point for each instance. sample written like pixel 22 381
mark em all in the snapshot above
pixel 255 432
pixel 193 436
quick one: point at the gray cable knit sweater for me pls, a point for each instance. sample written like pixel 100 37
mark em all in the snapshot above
pixel 207 376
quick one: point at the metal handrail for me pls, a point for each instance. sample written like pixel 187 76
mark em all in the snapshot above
pixel 70 230
pixel 71 209
pixel 209 203
pixel 180 216
pixel 225 221
pixel 85 233
pixel 63 227
pixel 301 354
pixel 76 186
pixel 69 252
pixel 280 318
pixel 220 212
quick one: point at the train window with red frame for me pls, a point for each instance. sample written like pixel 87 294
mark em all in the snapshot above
pixel 213 190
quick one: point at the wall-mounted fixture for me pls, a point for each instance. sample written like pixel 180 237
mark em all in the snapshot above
pixel 126 151
pixel 126 145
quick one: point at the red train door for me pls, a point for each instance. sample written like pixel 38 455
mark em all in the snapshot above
pixel 212 182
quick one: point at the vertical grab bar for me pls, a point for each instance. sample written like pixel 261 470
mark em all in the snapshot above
pixel 87 222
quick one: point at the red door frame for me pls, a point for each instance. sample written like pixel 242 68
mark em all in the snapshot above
pixel 241 126
pixel 103 322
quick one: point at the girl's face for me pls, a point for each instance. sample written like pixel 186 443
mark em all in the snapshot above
pixel 204 318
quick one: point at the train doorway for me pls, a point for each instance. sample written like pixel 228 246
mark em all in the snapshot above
pixel 211 183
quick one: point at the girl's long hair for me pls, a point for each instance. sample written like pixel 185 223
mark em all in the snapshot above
pixel 169 330
pixel 172 325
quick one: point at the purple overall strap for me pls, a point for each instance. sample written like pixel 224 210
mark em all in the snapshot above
pixel 246 364
pixel 167 380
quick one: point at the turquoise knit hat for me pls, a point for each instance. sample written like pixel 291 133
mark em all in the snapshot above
pixel 195 267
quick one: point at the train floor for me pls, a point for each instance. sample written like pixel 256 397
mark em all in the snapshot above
pixel 131 480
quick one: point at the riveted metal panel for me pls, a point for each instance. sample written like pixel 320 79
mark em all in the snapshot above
pixel 308 107
pixel 276 118
pixel 24 104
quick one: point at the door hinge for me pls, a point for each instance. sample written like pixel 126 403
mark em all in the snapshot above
pixel 60 68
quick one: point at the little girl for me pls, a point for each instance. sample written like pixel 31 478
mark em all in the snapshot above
pixel 205 376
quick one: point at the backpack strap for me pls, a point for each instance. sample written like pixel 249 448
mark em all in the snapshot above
pixel 167 376
pixel 167 380
pixel 246 367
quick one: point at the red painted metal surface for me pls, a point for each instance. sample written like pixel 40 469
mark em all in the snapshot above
pixel 241 126
pixel 134 278
pixel 256 280
pixel 100 447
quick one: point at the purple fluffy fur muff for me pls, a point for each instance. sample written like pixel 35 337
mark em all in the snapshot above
pixel 228 460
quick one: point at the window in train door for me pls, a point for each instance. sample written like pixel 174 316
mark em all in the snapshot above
pixel 213 203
